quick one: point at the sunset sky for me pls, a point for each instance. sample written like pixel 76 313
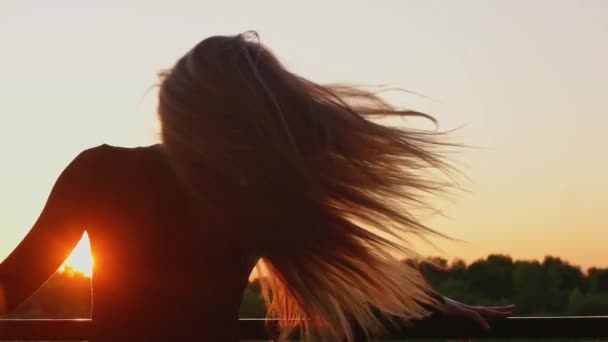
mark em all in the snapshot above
pixel 527 82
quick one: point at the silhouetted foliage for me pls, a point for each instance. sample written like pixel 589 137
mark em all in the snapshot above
pixel 598 279
pixel 587 304
pixel 553 287
pixel 550 287
pixel 66 294
pixel 252 304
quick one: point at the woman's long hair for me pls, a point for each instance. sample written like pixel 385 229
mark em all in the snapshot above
pixel 307 174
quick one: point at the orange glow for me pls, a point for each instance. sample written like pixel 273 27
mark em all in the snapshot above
pixel 81 259
pixel 535 166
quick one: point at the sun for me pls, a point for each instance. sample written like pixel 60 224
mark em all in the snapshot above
pixel 81 259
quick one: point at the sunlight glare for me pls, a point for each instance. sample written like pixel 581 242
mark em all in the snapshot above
pixel 81 259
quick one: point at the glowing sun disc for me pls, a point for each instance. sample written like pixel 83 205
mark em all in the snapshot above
pixel 81 259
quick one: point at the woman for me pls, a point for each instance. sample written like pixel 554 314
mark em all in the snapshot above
pixel 256 163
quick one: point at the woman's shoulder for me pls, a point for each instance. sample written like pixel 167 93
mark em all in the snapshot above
pixel 109 150
pixel 107 155
pixel 107 147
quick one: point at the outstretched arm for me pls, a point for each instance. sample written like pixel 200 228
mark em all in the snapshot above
pixel 446 308
pixel 53 236
pixel 449 308
pixel 478 314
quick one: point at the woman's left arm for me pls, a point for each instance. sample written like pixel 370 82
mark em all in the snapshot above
pixel 479 314
pixel 53 236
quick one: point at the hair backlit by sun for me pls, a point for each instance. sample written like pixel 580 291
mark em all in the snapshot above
pixel 81 258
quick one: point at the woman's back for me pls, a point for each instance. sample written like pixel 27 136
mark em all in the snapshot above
pixel 255 162
pixel 160 268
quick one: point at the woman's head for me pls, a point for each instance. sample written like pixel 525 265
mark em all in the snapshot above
pixel 226 91
pixel 309 175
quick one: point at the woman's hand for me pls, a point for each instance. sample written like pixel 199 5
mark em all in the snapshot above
pixel 479 314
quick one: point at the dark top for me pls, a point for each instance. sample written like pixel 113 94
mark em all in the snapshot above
pixel 160 273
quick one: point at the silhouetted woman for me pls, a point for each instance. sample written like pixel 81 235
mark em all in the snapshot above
pixel 255 163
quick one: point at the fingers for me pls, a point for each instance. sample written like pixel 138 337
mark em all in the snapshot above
pixel 509 308
pixel 489 313
pixel 475 316
pixel 480 314
pixel 506 309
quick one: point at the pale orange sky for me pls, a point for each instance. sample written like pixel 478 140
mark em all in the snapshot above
pixel 526 79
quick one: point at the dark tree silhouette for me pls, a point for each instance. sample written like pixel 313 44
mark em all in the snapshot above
pixel 550 287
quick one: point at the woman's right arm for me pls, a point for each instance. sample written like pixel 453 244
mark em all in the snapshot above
pixel 53 236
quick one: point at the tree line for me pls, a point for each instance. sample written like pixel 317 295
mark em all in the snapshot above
pixel 548 287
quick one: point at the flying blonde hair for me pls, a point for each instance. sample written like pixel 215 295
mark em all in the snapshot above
pixel 310 176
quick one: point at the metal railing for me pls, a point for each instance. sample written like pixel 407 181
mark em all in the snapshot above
pixel 437 328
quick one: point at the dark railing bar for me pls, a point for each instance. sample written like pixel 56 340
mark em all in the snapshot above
pixel 511 328
pixel 255 329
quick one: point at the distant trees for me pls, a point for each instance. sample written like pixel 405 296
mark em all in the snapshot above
pixel 66 295
pixel 598 280
pixel 592 303
pixel 252 304
pixel 531 287
pixel 550 287
pixel 493 277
